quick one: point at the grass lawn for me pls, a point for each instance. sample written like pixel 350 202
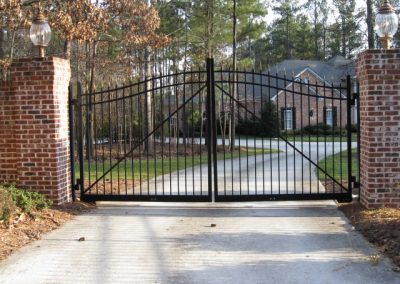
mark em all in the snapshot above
pixel 306 138
pixel 336 165
pixel 147 169
pixel 329 138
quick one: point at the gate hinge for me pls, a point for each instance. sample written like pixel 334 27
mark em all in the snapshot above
pixel 77 185
pixel 355 96
pixel 355 183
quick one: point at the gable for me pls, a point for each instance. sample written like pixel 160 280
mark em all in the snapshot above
pixel 305 76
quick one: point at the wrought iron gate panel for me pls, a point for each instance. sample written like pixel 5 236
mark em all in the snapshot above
pixel 284 128
pixel 240 135
pixel 141 141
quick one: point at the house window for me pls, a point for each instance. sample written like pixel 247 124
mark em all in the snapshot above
pixel 329 116
pixel 288 119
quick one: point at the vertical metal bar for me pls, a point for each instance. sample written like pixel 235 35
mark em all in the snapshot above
pixel 177 128
pixel 103 140
pixel 131 140
pixel 232 122
pixel 254 138
pixel 358 140
pixel 262 136
pixel 239 136
pixel 279 115
pixel 71 113
pixel 210 73
pixel 192 130
pixel 214 129
pixel 152 122
pixel 124 137
pixel 110 144
pixel 223 129
pixel 317 113
pixel 272 128
pixel 80 140
pixel 349 157
pixel 325 134
pixel 294 118
pixel 169 136
pixel 201 131
pixel 140 118
pixel 340 135
pixel 185 129
pixel 118 138
pixel 162 131
pixel 333 135
pixel 302 133
pixel 309 134
pixel 88 102
pixel 247 134
pixel 94 125
pixel 286 132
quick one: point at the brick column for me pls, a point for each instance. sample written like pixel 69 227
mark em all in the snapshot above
pixel 34 135
pixel 378 72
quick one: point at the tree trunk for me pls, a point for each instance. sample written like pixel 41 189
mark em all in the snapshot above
pixel 316 51
pixel 343 37
pixel 67 49
pixel 210 28
pixel 370 24
pixel 2 39
pixel 149 105
pixel 288 51
pixel 232 132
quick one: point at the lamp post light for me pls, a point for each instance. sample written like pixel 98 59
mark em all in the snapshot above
pixel 40 32
pixel 386 23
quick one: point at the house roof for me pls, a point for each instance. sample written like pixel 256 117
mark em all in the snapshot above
pixel 310 89
pixel 333 71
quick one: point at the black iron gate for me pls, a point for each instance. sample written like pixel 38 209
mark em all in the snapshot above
pixel 215 134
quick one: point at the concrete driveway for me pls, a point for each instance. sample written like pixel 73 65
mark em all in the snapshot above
pixel 274 242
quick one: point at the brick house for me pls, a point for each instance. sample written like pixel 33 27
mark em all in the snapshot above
pixel 308 99
pixel 323 84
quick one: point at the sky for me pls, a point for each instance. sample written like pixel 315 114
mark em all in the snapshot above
pixel 270 17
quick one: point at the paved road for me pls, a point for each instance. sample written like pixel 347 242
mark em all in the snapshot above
pixel 275 242
pixel 287 172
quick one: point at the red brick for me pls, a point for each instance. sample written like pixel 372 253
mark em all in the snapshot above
pixel 380 127
pixel 32 114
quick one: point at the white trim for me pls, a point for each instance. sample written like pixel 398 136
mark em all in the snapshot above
pixel 297 79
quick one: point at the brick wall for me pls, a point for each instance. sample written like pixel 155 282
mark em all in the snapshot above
pixel 34 142
pixel 378 72
pixel 308 102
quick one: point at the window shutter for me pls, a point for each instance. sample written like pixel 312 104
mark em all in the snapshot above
pixel 324 115
pixel 334 114
pixel 282 118
pixel 293 118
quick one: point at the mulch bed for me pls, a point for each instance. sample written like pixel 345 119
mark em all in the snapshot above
pixel 25 228
pixel 379 226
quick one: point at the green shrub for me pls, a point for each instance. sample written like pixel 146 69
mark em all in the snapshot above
pixel 354 128
pixel 7 205
pixel 28 200
pixel 318 129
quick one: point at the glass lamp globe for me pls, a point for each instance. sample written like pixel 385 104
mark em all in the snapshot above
pixel 40 33
pixel 386 23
